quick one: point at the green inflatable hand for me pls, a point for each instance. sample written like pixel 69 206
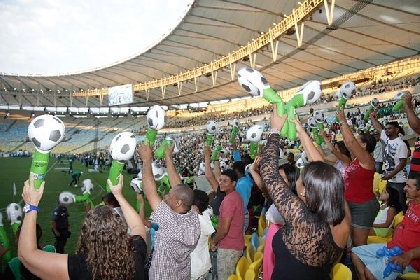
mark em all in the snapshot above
pixel 368 112
pixel 295 102
pixel 215 154
pixel 234 131
pixel 114 173
pixel 150 137
pixel 253 149
pixel 39 166
pixel 209 140
pixel 160 152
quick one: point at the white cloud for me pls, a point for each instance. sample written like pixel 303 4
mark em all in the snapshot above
pixel 53 36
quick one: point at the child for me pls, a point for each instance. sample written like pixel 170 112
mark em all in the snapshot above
pixel 389 208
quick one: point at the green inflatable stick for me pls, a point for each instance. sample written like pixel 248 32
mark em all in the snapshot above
pixel 253 149
pixel 319 139
pixel 82 198
pixel 234 131
pixel 209 140
pixel 138 204
pixel 5 242
pixel 215 154
pixel 368 112
pixel 39 166
pixel 160 152
pixel 114 173
pixel 295 102
pixel 341 105
pixel 150 137
pixel 398 106
pixel 271 96
pixel 15 226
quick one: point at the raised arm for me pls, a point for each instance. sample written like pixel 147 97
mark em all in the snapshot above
pixel 149 184
pixel 365 158
pixel 375 123
pixel 174 178
pixel 208 172
pixel 285 201
pixel 413 120
pixel 337 154
pixel 308 145
pixel 43 264
pixel 133 219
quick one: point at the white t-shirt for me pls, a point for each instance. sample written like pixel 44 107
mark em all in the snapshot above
pixel 200 257
pixel 273 215
pixel 394 150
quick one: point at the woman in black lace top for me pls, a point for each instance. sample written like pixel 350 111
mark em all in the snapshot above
pixel 317 219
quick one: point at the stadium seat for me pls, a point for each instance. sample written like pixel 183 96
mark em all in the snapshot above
pixel 241 267
pixel 250 250
pixel 262 224
pixel 378 239
pixel 255 240
pixel 250 274
pixel 341 272
pixel 233 277
pixel 410 276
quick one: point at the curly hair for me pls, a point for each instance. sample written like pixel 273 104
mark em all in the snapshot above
pixel 106 245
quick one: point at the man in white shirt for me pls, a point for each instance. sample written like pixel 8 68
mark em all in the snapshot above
pixel 395 158
pixel 200 257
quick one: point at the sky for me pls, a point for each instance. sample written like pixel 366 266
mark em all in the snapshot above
pixel 70 36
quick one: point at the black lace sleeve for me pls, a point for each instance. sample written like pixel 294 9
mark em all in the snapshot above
pixel 305 237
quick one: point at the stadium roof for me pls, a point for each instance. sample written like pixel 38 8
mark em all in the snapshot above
pixel 216 38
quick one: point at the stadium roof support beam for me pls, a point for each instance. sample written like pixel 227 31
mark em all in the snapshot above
pixel 329 12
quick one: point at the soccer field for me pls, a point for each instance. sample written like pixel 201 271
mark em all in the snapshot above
pixel 15 170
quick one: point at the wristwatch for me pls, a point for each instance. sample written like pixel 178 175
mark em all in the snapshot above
pixel 28 208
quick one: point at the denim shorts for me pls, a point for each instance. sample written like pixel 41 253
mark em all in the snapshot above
pixel 376 265
pixel 363 214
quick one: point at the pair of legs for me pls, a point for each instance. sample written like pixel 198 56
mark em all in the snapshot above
pixel 362 217
pixel 226 262
pixel 361 270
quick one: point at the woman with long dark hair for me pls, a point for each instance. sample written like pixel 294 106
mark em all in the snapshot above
pixel 316 221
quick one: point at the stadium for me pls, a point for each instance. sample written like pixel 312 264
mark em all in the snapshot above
pixel 192 73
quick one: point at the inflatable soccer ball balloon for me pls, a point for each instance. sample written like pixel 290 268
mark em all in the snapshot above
pixel 338 94
pixel 66 198
pixel 348 89
pixel 252 81
pixel 319 117
pixel 46 131
pixel 87 186
pixel 236 122
pixel 399 95
pixel 211 127
pixel 311 91
pixel 374 102
pixel 14 212
pixel 156 117
pixel 136 185
pixel 158 171
pixel 223 165
pixel 312 122
pixel 299 163
pixel 304 158
pixel 123 146
pixel 254 133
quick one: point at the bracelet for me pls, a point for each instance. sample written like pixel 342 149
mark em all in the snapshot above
pixel 273 131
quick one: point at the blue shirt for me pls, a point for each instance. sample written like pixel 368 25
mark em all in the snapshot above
pixel 244 188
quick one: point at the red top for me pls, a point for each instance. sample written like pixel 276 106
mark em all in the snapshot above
pixel 358 182
pixel 407 234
